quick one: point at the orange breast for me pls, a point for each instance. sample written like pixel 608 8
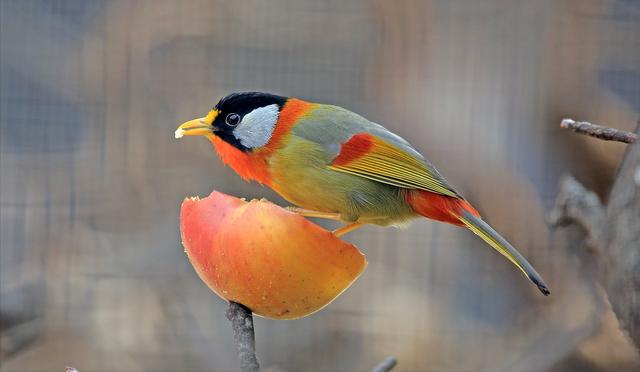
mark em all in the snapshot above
pixel 251 167
pixel 254 165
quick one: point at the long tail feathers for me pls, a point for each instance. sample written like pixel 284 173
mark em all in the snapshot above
pixel 500 244
pixel 459 212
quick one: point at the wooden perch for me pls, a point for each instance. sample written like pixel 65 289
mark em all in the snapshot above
pixel 241 319
pixel 613 231
pixel 603 133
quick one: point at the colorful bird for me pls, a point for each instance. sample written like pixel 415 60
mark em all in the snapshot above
pixel 332 163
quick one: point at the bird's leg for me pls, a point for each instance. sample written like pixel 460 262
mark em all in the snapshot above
pixel 310 213
pixel 329 216
pixel 347 228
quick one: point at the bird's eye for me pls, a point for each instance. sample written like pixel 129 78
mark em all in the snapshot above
pixel 232 119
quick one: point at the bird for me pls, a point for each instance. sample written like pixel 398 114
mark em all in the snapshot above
pixel 332 163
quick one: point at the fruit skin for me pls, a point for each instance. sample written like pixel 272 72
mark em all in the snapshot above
pixel 273 261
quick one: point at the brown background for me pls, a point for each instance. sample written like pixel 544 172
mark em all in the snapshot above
pixel 92 273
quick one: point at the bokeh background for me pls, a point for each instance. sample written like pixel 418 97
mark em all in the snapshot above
pixel 92 273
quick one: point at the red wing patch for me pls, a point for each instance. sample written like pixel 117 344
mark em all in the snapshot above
pixel 356 147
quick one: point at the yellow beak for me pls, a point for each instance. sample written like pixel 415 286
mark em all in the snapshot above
pixel 198 127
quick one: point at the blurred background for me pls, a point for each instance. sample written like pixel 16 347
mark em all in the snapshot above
pixel 92 272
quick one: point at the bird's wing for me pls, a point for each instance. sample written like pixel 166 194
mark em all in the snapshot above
pixel 362 148
pixel 368 156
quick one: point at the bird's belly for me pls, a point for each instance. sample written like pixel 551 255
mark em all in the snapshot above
pixel 309 184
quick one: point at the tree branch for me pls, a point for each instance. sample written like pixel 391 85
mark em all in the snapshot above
pixel 613 231
pixel 603 133
pixel 622 237
pixel 241 320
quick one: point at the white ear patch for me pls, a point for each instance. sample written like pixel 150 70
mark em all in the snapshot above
pixel 256 127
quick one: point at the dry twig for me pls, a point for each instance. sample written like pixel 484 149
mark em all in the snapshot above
pixel 603 133
pixel 241 320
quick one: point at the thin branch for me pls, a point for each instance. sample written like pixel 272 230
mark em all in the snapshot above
pixel 603 133
pixel 386 365
pixel 241 320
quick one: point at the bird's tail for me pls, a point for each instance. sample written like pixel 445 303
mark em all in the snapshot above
pixel 460 212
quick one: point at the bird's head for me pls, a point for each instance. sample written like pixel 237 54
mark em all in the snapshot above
pixel 244 120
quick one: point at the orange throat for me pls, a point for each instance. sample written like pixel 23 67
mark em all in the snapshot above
pixel 254 165
pixel 251 167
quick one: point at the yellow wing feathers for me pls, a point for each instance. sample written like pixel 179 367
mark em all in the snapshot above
pixel 368 156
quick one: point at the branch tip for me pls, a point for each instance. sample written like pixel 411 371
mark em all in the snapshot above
pixel 598 131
